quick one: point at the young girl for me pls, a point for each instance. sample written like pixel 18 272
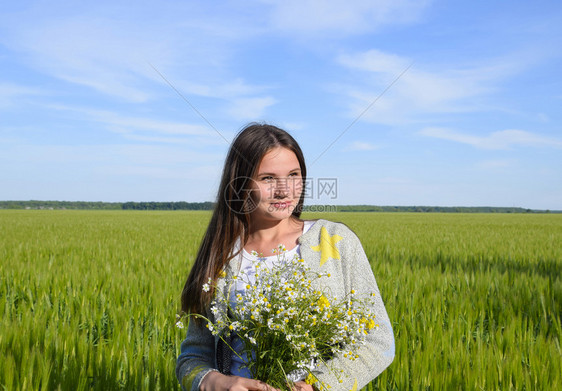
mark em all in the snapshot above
pixel 258 206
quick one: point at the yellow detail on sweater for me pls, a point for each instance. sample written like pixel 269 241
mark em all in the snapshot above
pixel 327 246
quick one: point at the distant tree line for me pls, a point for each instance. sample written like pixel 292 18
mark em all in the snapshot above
pixel 33 204
pixel 183 205
pixel 437 209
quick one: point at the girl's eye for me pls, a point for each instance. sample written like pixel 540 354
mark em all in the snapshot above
pixel 267 178
pixel 294 174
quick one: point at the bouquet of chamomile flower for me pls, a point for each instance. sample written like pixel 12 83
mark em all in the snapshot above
pixel 286 325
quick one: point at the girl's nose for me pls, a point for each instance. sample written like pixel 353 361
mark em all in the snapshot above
pixel 281 186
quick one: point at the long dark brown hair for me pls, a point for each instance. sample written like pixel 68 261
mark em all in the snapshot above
pixel 231 219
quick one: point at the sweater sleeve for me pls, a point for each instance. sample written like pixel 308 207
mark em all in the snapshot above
pixel 343 374
pixel 196 358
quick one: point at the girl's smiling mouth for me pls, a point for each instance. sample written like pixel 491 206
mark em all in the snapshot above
pixel 281 204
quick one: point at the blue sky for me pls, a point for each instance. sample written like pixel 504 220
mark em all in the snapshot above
pixel 474 120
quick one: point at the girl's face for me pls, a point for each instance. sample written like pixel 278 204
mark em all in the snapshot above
pixel 277 185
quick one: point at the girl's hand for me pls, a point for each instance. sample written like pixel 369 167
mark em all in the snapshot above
pixel 216 381
pixel 303 386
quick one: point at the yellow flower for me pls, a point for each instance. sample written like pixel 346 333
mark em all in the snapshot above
pixel 323 302
pixel 310 379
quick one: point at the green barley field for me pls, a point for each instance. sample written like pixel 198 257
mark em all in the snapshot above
pixel 88 299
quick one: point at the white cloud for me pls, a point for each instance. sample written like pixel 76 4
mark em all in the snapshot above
pixel 496 164
pixel 9 92
pixel 238 87
pixel 250 108
pixel 293 126
pixel 132 124
pixel 374 61
pixel 89 51
pixel 110 48
pixel 503 139
pixel 543 117
pixel 342 16
pixel 148 129
pixel 417 93
pixel 223 89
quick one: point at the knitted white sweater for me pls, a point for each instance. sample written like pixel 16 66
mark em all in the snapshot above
pixel 326 247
